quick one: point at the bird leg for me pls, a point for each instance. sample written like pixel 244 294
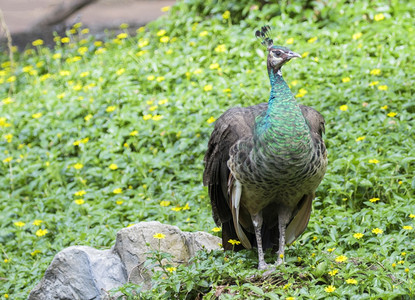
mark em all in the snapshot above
pixel 284 216
pixel 257 222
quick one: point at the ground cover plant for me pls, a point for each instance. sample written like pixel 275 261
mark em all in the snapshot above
pixel 98 135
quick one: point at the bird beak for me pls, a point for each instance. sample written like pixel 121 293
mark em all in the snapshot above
pixel 292 54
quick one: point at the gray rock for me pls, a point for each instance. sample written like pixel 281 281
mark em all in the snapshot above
pixel 81 272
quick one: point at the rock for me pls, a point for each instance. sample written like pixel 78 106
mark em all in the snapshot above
pixel 133 244
pixel 81 272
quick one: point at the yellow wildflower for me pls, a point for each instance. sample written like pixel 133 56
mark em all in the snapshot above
pixel 80 193
pixel 113 166
pixel 329 289
pixel 373 83
pixel 301 93
pixel 41 232
pixel 164 39
pixel 171 269
pixel 120 71
pixel 412 216
pixel 374 200
pixel 110 108
pixel 375 72
pixel 333 272
pixel 341 259
pixel 226 15
pixel 312 40
pixel 383 87
pixel 220 48
pixel 358 235
pixel 38 42
pixel 157 117
pixel 331 249
pixel 351 281
pixel 234 242
pixel 346 79
pixel 379 17
pixel 407 227
pixel 79 201
pixel 165 8
pixel 290 41
pixel 360 138
pixel 343 107
pixel 159 236
pixel 19 224
pixel 117 191
pixel 160 78
pixel 384 107
pixel 161 32
pixel 216 229
pixel 373 161
pixel 391 114
pixel 305 54
pixel 151 77
pixel 122 35
pixel 88 117
pixel 214 66
pixel 207 87
pixel 78 166
pixel 147 117
pixel 37 222
pixel 37 115
pixel 357 35
pixel 134 133
pixel 165 203
pixel 211 120
pixel 163 101
pixel 377 231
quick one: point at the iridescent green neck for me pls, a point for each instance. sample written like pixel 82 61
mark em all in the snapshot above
pixel 283 126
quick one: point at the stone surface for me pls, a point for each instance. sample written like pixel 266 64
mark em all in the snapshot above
pixel 81 272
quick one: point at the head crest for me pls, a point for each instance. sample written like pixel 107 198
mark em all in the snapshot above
pixel 263 34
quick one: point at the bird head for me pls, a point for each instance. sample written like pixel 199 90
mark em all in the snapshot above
pixel 277 55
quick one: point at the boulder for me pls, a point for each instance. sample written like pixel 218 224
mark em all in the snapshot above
pixel 81 272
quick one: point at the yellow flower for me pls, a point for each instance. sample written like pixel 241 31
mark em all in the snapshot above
pixel 391 114
pixel 37 42
pixel 203 33
pixel 357 35
pixel 379 17
pixel 164 39
pixel 78 166
pixel 207 87
pixel 19 224
pixel 88 117
pixel 186 207
pixel 401 262
pixel 373 83
pixel 301 93
pixel 407 227
pixel 159 236
pixel 412 216
pixel 165 203
pixel 36 115
pixel 65 40
pixel 211 120
pixel 305 54
pixel 351 281
pixel 220 48
pixel 290 298
pixel 151 77
pixel 165 8
pixel 373 161
pixel 406 270
pixel 374 200
pixel 329 289
pixel 7 100
pixel 82 50
pixel 161 32
pixel 117 191
pixel 383 87
pixel 377 231
pixel 214 66
pixel 79 201
pixel 375 72
pixel 119 202
pixel 35 252
pixel 346 79
pixel 341 259
pixel 80 193
pixel 360 138
pixel 160 78
pixel 226 15
pixel 393 265
pixel 234 242
pixel 134 133
pixel 163 101
pixel 147 117
pixel 41 232
pixel 110 108
pixel 85 31
pixel 216 229
pixel 113 167
pixel 120 71
pixel 177 208
pixel 8 137
pixel 331 249
pixel 290 41
pixel 384 107
pixel 157 117
pixel 37 222
pixel 343 107
pixel 122 36
pixel 312 40
pixel 333 272
pixel 358 235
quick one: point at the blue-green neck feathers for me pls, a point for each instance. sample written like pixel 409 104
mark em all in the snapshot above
pixel 283 126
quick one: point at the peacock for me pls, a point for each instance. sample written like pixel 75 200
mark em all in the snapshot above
pixel 263 165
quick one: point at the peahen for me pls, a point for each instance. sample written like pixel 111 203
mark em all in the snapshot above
pixel 264 163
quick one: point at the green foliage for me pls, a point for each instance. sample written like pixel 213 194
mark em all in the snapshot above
pixel 96 136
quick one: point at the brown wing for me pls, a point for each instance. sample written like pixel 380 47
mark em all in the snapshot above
pixel 234 124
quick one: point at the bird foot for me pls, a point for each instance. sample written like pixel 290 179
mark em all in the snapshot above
pixel 270 270
pixel 263 266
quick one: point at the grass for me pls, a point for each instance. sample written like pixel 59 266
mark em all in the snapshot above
pixel 95 136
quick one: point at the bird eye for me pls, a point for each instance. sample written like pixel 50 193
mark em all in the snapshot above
pixel 277 53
